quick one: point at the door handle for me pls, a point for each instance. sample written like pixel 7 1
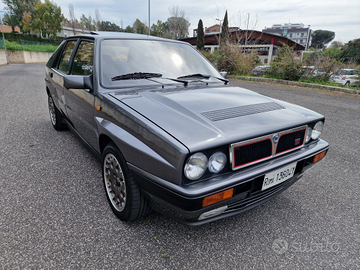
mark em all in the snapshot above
pixel 51 74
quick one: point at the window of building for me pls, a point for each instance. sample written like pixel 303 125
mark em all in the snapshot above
pixel 302 34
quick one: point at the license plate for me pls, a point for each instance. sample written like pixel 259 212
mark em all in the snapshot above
pixel 278 176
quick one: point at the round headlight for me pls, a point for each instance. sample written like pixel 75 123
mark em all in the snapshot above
pixel 308 134
pixel 318 128
pixel 195 166
pixel 217 162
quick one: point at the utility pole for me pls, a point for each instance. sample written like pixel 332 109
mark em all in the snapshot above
pixel 6 55
pixel 308 38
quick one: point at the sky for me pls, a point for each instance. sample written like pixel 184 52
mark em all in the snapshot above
pixel 341 17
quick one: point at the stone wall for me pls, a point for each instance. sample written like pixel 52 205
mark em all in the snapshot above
pixel 24 57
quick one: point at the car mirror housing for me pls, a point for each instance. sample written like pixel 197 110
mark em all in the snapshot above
pixel 78 82
pixel 224 74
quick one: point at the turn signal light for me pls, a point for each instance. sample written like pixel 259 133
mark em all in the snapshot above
pixel 319 156
pixel 218 197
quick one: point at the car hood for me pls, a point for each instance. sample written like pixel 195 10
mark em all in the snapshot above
pixel 210 117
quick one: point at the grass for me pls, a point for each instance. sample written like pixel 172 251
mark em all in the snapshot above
pixel 34 47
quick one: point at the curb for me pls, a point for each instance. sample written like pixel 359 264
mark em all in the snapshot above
pixel 311 85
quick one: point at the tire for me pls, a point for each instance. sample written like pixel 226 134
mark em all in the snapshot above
pixel 55 115
pixel 347 84
pixel 124 195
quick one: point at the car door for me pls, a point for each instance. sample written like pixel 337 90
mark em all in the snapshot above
pixel 80 102
pixel 59 68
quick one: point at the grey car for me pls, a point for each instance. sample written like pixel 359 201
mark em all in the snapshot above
pixel 171 133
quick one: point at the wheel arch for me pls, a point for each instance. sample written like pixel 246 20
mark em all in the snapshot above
pixel 104 140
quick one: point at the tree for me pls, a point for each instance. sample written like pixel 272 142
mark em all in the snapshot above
pixel 333 53
pixel 109 26
pixel 17 9
pixel 224 37
pixel 351 52
pixel 159 29
pixel 47 19
pixel 88 22
pixel 72 18
pixel 321 37
pixel 336 44
pixel 97 19
pixel 10 20
pixel 26 22
pixel 200 42
pixel 129 29
pixel 177 24
pixel 140 27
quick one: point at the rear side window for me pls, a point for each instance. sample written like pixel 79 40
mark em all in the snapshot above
pixel 64 64
pixel 83 60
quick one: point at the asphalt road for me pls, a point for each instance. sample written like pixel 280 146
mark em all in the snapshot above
pixel 54 213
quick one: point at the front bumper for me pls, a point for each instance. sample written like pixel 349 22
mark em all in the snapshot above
pixel 184 203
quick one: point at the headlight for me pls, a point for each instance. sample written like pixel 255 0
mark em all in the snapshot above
pixel 308 134
pixel 318 128
pixel 195 166
pixel 217 162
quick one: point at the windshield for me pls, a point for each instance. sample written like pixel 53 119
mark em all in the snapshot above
pixel 170 59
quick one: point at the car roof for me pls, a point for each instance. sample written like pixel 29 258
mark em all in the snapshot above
pixel 122 35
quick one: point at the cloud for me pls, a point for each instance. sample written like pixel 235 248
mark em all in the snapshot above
pixel 342 17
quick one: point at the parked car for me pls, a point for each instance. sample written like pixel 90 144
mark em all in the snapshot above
pixel 260 70
pixel 173 135
pixel 346 77
pixel 312 71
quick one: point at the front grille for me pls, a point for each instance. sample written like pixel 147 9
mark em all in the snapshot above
pixel 291 140
pixel 246 153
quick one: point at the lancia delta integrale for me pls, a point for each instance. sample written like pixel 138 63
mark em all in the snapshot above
pixel 170 131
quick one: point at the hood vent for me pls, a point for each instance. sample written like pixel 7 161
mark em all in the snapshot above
pixel 234 112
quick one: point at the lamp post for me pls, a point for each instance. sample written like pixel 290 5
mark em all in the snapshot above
pixel 7 61
pixel 149 16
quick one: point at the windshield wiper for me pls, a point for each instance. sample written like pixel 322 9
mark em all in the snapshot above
pixel 135 76
pixel 195 76
pixel 202 76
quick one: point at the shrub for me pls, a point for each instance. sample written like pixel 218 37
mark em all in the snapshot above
pixel 286 65
pixel 322 67
pixel 233 59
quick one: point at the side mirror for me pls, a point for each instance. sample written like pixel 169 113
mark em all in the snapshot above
pixel 224 74
pixel 78 82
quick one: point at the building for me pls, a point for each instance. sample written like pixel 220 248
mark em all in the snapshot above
pixel 294 31
pixel 265 44
pixel 215 29
pixel 8 29
pixel 69 31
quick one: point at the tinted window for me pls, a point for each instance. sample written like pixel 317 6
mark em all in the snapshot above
pixel 55 55
pixel 64 64
pixel 83 60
